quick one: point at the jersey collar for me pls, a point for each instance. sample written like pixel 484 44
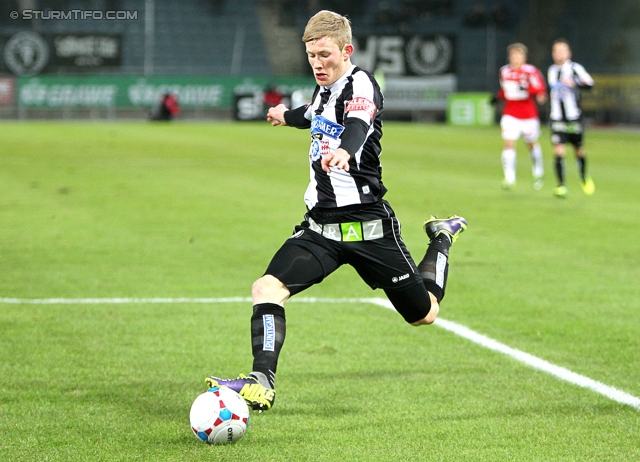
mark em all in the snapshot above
pixel 338 82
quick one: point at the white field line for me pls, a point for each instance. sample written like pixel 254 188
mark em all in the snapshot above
pixel 458 329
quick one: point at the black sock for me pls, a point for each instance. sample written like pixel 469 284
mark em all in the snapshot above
pixel 268 329
pixel 559 164
pixel 434 267
pixel 582 167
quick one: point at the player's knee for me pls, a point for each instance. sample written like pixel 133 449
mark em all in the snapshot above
pixel 431 315
pixel 269 289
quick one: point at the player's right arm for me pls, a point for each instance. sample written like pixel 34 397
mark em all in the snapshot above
pixel 275 115
pixel 499 95
pixel 281 115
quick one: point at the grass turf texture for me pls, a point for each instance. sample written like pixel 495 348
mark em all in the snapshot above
pixel 197 210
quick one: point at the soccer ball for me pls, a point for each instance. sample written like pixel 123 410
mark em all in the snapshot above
pixel 219 416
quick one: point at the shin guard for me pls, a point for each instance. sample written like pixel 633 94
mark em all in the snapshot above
pixel 268 329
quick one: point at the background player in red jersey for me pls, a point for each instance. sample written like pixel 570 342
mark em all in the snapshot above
pixel 521 86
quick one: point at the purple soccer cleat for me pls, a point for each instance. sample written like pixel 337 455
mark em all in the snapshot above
pixel 452 227
pixel 256 395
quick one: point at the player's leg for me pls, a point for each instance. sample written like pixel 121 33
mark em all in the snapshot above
pixel 416 305
pixel 510 134
pixel 588 186
pixel 531 136
pixel 384 262
pixel 434 267
pixel 420 304
pixel 293 269
pixel 559 139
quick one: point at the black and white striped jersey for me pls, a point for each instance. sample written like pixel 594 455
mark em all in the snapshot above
pixel 348 115
pixel 565 100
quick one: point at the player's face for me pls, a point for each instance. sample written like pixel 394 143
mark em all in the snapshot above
pixel 327 60
pixel 560 53
pixel 517 58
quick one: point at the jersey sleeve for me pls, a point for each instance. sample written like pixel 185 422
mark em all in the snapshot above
pixel 552 76
pixel 298 117
pixel 582 77
pixel 362 103
pixel 537 84
pixel 359 111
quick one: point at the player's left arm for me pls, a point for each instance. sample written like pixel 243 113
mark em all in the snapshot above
pixel 582 78
pixel 537 86
pixel 352 139
pixel 359 113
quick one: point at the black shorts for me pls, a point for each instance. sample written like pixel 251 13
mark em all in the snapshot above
pixel 567 132
pixel 369 240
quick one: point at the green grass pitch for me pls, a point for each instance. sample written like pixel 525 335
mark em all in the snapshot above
pixel 193 210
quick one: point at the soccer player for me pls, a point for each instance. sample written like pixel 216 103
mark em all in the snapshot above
pixel 347 220
pixel 521 86
pixel 566 79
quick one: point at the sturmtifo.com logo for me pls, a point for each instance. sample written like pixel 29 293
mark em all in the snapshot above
pixel 26 53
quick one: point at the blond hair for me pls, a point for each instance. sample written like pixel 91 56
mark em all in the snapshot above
pixel 518 46
pixel 328 24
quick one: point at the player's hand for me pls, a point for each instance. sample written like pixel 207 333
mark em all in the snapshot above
pixel 541 98
pixel 567 82
pixel 338 158
pixel 275 115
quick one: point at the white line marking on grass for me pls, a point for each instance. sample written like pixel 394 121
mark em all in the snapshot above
pixel 530 360
pixel 117 301
pixel 458 329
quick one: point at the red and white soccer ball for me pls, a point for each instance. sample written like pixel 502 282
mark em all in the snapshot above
pixel 219 416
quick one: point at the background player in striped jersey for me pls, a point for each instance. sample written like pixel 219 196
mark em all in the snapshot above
pixel 521 86
pixel 347 220
pixel 566 79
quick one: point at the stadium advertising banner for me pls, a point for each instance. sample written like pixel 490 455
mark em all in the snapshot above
pixel 397 55
pixel 613 92
pixel 144 92
pixel 471 108
pixel 418 70
pixel 244 94
pixel 86 51
pixel 418 93
pixel 28 53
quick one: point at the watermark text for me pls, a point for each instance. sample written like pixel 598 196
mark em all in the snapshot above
pixel 57 15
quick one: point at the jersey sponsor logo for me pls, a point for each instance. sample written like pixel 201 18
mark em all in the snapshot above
pixel 567 127
pixel 515 90
pixel 269 322
pixel 372 230
pixel 361 104
pixel 349 232
pixel 318 149
pixel 322 126
pixel 361 231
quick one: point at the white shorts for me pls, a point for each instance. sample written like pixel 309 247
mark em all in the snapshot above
pixel 513 128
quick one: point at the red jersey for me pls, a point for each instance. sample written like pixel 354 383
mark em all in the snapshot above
pixel 519 88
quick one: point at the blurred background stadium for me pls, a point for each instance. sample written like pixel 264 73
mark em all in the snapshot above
pixel 112 59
